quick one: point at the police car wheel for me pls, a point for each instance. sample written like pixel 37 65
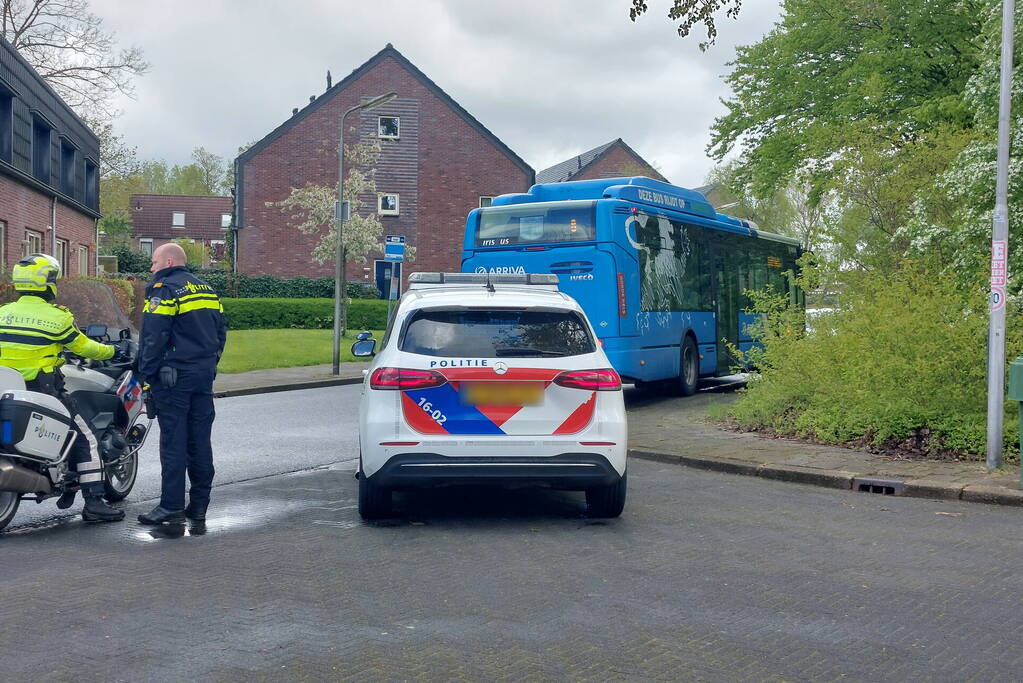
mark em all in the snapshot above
pixel 9 502
pixel 120 479
pixel 374 501
pixel 607 501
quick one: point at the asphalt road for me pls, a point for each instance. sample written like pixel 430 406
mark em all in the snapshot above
pixel 253 436
pixel 706 576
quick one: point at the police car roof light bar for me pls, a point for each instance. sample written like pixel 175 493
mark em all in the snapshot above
pixel 488 280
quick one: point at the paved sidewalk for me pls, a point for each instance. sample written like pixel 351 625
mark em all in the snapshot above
pixel 678 430
pixel 285 379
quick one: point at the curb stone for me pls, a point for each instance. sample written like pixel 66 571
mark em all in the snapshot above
pixel 979 493
pixel 839 479
pixel 273 388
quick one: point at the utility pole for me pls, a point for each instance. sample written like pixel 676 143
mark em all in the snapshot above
pixel 1000 253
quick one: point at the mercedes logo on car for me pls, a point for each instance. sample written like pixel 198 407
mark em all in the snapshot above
pixel 500 367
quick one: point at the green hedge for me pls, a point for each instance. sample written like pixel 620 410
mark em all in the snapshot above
pixel 267 314
pixel 227 285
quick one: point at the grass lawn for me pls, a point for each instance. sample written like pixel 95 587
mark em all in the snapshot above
pixel 259 349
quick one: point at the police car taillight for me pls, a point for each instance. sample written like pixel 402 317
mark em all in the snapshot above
pixel 405 379
pixel 590 380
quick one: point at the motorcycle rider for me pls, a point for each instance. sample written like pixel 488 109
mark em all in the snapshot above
pixel 33 331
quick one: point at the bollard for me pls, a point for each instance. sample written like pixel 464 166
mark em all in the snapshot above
pixel 1016 394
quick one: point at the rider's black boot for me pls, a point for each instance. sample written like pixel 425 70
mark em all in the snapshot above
pixel 66 500
pixel 97 510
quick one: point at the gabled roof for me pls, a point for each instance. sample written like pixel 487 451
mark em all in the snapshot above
pixel 570 168
pixel 388 51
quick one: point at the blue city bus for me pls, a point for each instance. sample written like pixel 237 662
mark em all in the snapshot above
pixel 659 272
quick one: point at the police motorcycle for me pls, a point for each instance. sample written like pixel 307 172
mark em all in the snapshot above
pixel 36 432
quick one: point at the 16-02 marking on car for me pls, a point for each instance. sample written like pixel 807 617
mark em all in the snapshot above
pixel 427 407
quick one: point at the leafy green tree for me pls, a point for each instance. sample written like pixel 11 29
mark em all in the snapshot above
pixel 211 170
pixel 197 254
pixel 115 229
pixel 830 75
pixel 693 12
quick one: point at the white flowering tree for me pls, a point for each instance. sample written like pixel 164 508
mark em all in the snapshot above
pixel 311 208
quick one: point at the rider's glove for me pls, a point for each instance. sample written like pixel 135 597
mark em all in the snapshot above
pixel 120 351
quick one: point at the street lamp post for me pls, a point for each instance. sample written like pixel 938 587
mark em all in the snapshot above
pixel 1000 251
pixel 340 214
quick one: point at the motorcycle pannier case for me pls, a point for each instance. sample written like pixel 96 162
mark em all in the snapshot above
pixel 35 425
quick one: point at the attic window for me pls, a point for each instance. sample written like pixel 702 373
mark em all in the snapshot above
pixel 388 127
pixel 486 201
pixel 387 204
pixel 178 219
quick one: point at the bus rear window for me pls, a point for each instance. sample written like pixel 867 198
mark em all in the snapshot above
pixel 497 334
pixel 535 224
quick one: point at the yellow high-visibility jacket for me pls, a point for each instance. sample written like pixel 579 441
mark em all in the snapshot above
pixel 32 333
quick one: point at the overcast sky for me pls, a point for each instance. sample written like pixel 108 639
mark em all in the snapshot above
pixel 550 78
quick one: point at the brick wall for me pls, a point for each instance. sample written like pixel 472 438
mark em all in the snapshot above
pixel 22 208
pixel 440 167
pixel 616 163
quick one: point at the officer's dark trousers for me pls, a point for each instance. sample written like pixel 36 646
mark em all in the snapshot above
pixel 185 413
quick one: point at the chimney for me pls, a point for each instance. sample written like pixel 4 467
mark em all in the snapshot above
pixel 294 111
pixel 328 79
pixel 312 98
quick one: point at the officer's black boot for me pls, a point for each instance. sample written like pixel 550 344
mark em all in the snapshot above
pixel 159 515
pixel 97 510
pixel 196 512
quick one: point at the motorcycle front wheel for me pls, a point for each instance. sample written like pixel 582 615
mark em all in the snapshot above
pixel 9 502
pixel 119 478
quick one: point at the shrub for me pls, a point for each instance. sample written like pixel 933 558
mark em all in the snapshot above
pixel 901 363
pixel 261 313
pixel 129 261
pixel 229 285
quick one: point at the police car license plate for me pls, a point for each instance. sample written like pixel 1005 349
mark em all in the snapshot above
pixel 503 393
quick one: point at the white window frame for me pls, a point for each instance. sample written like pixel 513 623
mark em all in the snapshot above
pixel 3 243
pixel 489 198
pixel 61 250
pixel 31 238
pixel 388 212
pixel 225 221
pixel 397 120
pixel 146 242
pixel 83 260
pixel 174 219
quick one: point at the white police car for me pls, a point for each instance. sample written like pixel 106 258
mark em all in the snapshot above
pixel 493 379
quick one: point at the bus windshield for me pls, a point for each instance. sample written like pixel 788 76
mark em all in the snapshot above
pixel 501 226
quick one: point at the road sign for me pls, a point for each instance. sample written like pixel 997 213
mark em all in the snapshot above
pixel 394 248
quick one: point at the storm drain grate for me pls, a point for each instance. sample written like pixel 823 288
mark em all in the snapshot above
pixel 885 487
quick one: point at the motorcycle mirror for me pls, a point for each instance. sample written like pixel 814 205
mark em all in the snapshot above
pixel 96 331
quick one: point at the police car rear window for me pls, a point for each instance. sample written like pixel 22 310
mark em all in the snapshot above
pixel 497 334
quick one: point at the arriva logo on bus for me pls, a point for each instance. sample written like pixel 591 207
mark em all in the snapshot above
pixel 502 270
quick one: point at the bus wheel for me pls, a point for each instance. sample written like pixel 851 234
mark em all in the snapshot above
pixel 689 367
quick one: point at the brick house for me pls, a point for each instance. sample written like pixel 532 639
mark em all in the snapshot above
pixel 160 218
pixel 49 172
pixel 614 159
pixel 437 162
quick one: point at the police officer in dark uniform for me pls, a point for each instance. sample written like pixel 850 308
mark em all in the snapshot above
pixel 182 338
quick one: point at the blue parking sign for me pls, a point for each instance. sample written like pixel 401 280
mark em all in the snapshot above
pixel 394 248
